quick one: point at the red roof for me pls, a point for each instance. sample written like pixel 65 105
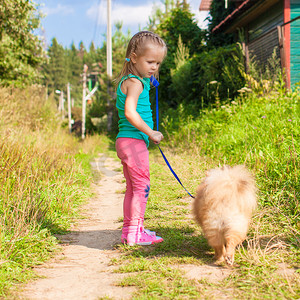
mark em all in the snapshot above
pixel 233 14
pixel 205 5
pixel 246 11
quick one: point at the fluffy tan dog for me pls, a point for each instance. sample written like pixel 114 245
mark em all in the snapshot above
pixel 223 206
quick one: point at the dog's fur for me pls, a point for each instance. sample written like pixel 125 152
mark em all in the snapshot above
pixel 223 207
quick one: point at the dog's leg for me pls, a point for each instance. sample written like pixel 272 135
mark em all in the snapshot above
pixel 219 253
pixel 231 243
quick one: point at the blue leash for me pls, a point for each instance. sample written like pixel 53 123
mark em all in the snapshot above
pixel 156 84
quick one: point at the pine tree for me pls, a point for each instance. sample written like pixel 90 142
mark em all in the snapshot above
pixel 119 46
pixel 81 50
pixel 56 70
pixel 74 67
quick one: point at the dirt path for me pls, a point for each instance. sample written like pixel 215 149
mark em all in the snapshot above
pixel 83 270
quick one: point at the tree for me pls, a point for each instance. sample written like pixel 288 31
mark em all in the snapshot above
pixel 100 107
pixel 155 18
pixel 180 24
pixel 82 50
pixel 158 16
pixel 21 50
pixel 56 70
pixel 217 14
pixel 74 67
pixel 119 46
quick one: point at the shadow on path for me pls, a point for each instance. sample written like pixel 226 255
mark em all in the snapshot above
pixel 96 239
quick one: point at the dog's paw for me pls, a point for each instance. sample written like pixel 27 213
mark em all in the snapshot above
pixel 218 259
pixel 219 262
pixel 229 260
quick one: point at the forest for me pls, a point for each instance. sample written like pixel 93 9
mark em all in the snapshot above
pixel 213 112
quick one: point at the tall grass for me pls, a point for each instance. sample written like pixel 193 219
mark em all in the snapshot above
pixel 261 131
pixel 42 181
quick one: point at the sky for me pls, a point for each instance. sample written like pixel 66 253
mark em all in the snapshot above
pixel 85 20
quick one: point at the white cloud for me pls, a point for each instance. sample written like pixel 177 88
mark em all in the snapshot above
pixel 128 14
pixel 135 15
pixel 59 9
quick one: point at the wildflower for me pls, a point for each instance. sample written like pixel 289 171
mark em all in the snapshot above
pixel 264 117
pixel 244 89
pixel 233 102
pixel 213 82
pixel 289 120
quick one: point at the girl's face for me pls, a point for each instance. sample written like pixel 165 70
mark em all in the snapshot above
pixel 148 63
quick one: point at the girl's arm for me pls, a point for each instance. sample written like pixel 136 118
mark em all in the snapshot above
pixel 133 89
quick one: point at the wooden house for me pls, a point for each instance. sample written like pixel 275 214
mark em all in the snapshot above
pixel 267 25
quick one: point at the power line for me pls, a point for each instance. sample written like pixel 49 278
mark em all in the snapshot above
pixel 96 24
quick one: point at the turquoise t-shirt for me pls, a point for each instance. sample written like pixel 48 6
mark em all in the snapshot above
pixel 143 108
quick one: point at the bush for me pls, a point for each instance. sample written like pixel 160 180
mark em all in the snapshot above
pixel 260 131
pixel 209 77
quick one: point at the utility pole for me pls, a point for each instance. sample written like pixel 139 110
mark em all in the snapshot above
pixel 85 68
pixel 69 106
pixel 109 64
pixel 62 105
pixel 109 41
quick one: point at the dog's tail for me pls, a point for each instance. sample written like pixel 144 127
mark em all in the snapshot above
pixel 234 185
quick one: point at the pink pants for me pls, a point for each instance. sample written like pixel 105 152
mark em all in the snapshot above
pixel 134 156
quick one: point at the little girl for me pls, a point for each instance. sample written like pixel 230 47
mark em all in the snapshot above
pixel 145 53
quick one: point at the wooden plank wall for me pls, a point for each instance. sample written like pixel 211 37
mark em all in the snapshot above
pixel 295 42
pixel 260 44
pixel 263 47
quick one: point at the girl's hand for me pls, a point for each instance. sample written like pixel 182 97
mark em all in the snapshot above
pixel 156 136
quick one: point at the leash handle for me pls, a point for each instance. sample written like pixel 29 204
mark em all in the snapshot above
pixel 155 83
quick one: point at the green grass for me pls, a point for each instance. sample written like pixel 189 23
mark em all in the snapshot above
pixel 261 132
pixel 267 264
pixel 45 177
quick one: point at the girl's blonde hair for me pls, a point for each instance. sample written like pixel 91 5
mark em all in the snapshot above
pixel 137 45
